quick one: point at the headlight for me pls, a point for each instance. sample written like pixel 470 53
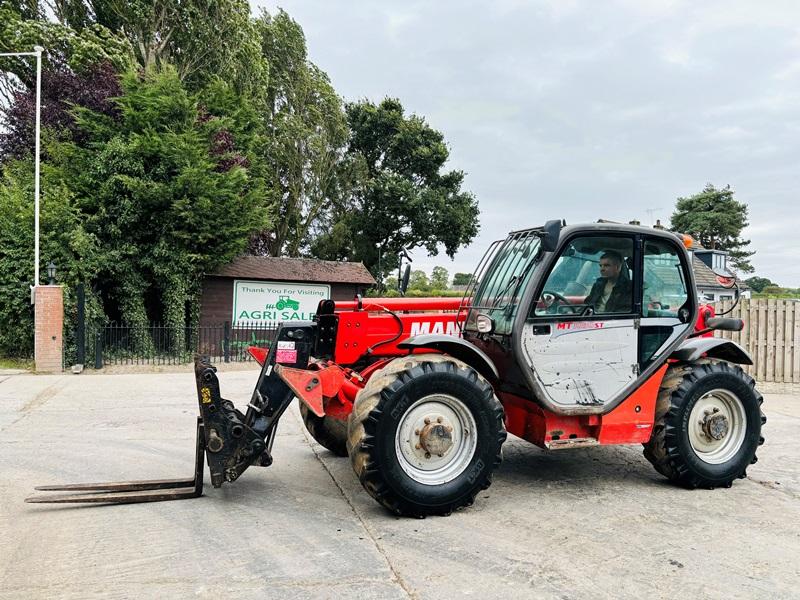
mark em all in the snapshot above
pixel 484 324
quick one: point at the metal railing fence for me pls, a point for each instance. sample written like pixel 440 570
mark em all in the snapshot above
pixel 159 344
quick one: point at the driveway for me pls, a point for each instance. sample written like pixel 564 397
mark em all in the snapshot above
pixel 584 523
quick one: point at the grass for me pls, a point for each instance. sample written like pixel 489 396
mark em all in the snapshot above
pixel 16 363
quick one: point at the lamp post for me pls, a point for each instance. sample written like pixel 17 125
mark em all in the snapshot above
pixel 51 273
pixel 380 271
pixel 37 52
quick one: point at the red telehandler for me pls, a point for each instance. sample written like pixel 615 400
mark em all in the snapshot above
pixel 570 337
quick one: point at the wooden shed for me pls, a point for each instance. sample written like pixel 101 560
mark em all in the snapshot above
pixel 263 290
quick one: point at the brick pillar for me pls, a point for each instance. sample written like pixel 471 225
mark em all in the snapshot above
pixel 49 325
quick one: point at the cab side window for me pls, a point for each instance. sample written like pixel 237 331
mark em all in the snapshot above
pixel 664 294
pixel 592 276
pixel 664 286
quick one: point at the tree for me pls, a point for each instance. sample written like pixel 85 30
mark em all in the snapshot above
pixel 405 198
pixel 62 89
pixel 439 278
pixel 202 39
pixel 419 281
pixel 757 284
pixel 67 50
pixel 63 240
pixel 305 142
pixel 461 278
pixel 391 284
pixel 716 220
pixel 165 189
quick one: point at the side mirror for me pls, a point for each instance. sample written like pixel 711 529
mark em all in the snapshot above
pixel 728 281
pixel 404 280
pixel 725 281
pixel 550 234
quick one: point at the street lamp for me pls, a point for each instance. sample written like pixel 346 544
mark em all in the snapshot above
pixel 51 273
pixel 37 52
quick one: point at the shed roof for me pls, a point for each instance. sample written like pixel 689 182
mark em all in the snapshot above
pixel 296 269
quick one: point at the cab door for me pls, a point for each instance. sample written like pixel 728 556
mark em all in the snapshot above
pixel 580 337
pixel 666 301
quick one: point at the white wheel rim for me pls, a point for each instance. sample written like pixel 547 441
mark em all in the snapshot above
pixel 717 414
pixel 425 467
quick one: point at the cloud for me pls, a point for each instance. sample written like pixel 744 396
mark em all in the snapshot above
pixel 582 110
pixel 728 133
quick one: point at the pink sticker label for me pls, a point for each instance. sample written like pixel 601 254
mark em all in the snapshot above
pixel 286 356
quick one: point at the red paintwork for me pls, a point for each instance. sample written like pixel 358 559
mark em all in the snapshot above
pixel 360 330
pixel 705 312
pixel 306 385
pixel 627 425
pixel 259 354
pixel 623 425
pixel 402 304
pixel 325 387
pixel 376 366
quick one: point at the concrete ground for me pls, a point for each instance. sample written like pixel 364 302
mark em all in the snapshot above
pixel 587 523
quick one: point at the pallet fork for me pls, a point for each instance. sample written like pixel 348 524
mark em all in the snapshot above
pixel 129 492
pixel 231 440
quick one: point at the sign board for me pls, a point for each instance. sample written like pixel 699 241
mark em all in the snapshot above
pixel 271 302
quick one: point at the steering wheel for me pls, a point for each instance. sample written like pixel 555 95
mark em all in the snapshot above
pixel 551 303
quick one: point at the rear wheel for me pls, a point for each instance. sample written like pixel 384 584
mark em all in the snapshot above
pixel 708 424
pixel 329 432
pixel 425 435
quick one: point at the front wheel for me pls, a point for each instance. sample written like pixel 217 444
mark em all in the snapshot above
pixel 425 435
pixel 708 424
pixel 329 432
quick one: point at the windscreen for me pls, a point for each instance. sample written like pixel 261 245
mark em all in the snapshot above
pixel 501 286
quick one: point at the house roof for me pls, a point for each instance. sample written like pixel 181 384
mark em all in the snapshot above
pixel 703 276
pixel 296 269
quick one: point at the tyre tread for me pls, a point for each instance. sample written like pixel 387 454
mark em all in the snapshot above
pixel 662 449
pixel 330 433
pixel 366 415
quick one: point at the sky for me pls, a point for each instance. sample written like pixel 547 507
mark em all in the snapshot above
pixel 584 110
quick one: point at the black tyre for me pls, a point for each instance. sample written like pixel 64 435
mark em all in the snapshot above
pixel 329 432
pixel 707 426
pixel 425 435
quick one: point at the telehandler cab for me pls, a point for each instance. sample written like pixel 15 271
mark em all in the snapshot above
pixel 574 336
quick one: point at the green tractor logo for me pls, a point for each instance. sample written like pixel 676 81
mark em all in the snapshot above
pixel 286 302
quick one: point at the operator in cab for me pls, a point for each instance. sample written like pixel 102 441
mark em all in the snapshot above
pixel 612 291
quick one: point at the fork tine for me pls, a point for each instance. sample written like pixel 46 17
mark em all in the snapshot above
pixel 129 497
pixel 128 492
pixel 118 486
